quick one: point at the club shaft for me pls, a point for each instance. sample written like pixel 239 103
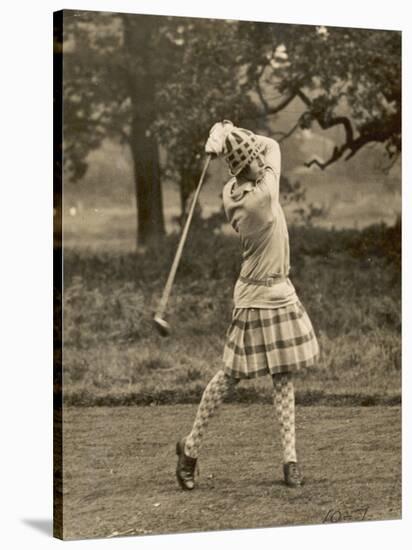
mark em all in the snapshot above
pixel 168 286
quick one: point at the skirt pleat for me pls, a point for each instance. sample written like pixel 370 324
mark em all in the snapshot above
pixel 269 341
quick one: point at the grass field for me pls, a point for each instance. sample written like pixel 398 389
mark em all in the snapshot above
pixel 119 469
pixel 349 282
pixel 119 460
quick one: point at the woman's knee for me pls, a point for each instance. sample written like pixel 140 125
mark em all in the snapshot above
pixel 229 379
pixel 281 379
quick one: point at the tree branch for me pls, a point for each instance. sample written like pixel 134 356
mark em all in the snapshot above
pixel 391 164
pixel 351 144
pixel 338 152
pixel 336 155
pixel 326 121
pixel 283 103
pixel 285 135
pixel 259 89
pixel 272 109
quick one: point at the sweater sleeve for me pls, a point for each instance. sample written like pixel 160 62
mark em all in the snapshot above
pixel 271 153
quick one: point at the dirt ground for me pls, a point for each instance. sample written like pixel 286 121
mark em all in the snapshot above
pixel 119 465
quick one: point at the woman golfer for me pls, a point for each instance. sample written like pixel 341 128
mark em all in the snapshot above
pixel 270 333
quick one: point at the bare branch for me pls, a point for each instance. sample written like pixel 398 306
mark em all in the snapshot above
pixel 259 89
pixel 304 98
pixel 358 144
pixel 336 155
pixel 338 152
pixel 283 103
pixel 391 164
pixel 284 99
pixel 326 122
pixel 285 135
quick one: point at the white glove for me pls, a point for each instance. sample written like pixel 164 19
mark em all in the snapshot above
pixel 217 136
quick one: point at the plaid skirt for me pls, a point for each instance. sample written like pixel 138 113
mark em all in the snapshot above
pixel 269 341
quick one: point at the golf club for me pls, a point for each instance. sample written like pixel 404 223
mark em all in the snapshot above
pixel 163 326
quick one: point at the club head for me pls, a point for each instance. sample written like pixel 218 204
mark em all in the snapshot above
pixel 162 326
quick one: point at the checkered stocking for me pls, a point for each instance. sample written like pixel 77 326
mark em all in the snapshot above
pixel 212 397
pixel 284 401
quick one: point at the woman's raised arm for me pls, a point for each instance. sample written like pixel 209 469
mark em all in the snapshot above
pixel 272 158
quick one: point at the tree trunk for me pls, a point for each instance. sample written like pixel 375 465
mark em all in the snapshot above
pixel 150 220
pixel 138 33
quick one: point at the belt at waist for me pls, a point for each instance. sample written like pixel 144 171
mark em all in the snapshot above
pixel 270 280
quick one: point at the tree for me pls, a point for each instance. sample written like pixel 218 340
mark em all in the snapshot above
pixel 205 88
pixel 114 64
pixel 248 71
pixel 147 80
pixel 150 80
pixel 349 78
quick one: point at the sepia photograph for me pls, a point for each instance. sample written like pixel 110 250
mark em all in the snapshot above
pixel 227 215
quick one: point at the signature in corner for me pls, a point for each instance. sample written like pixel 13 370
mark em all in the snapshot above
pixel 335 515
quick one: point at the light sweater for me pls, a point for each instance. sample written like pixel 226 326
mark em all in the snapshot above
pixel 254 211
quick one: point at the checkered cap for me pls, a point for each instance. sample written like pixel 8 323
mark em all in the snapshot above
pixel 240 148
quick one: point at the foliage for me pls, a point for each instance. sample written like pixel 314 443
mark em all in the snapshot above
pixel 147 80
pixel 113 66
pixel 349 281
pixel 205 88
pixel 349 78
pixel 96 98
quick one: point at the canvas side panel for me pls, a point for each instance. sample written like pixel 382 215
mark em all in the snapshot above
pixel 57 276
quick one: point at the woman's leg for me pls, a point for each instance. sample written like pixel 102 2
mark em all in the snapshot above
pixel 188 448
pixel 284 401
pixel 213 395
